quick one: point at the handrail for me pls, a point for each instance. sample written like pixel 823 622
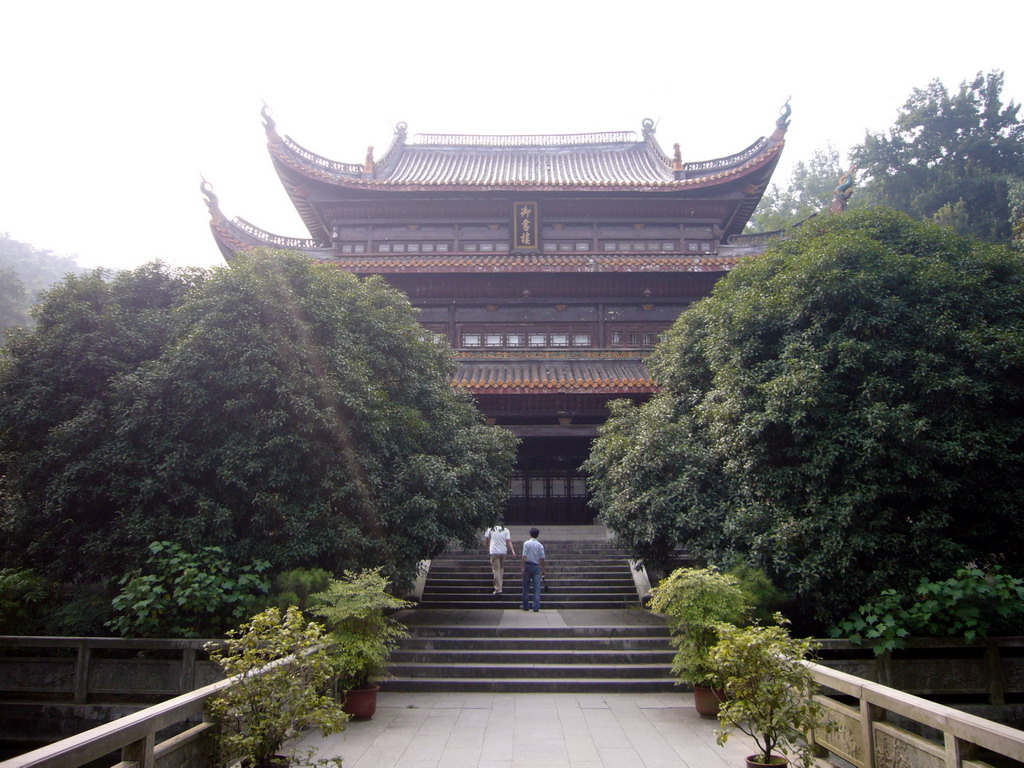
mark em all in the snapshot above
pixel 135 734
pixel 138 728
pixel 860 727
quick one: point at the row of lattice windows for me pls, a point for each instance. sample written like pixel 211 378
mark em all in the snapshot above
pixel 636 245
pixel 545 487
pixel 554 339
pixel 635 338
pixel 547 247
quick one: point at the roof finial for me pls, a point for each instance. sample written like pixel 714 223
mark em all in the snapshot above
pixel 268 121
pixel 212 203
pixel 844 191
pixel 677 158
pixel 648 127
pixel 369 165
pixel 784 112
pixel 400 130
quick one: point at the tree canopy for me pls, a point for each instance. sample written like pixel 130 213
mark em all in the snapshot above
pixel 846 412
pixel 949 156
pixel 279 409
pixel 808 191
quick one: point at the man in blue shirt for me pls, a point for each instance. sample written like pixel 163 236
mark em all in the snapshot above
pixel 533 569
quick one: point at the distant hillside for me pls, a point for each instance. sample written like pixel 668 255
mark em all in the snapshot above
pixel 25 272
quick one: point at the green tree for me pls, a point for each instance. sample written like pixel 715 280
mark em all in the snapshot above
pixel 13 302
pixel 808 191
pixel 57 413
pixel 291 413
pixel 947 149
pixel 846 412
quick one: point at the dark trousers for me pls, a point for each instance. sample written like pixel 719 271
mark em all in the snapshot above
pixel 531 576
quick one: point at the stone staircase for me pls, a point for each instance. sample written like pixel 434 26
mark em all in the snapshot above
pixel 579 574
pixel 466 639
pixel 600 659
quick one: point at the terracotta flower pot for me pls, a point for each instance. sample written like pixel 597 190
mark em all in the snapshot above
pixel 361 703
pixel 777 761
pixel 707 700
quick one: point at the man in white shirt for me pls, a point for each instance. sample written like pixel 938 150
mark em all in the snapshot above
pixel 499 541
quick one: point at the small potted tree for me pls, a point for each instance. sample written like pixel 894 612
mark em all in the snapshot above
pixel 696 601
pixel 355 609
pixel 282 683
pixel 770 692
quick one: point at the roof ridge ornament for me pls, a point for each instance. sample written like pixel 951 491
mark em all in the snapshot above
pixel 212 202
pixel 268 121
pixel 401 130
pixel 784 112
pixel 649 127
pixel 842 193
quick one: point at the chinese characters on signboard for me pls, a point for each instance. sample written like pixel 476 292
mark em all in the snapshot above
pixel 524 216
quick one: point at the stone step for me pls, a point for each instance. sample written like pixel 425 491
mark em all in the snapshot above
pixel 427 631
pixel 662 659
pixel 538 671
pixel 463 579
pixel 531 685
pixel 506 601
pixel 554 588
pixel 551 644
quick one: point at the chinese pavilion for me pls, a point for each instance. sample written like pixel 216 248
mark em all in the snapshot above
pixel 551 264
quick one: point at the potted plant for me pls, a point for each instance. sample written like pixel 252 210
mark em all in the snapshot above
pixel 282 678
pixel 696 601
pixel 770 692
pixel 355 610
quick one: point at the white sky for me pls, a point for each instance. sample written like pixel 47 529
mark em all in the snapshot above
pixel 109 111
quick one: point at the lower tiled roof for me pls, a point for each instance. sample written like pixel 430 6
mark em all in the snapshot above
pixel 554 376
pixel 514 262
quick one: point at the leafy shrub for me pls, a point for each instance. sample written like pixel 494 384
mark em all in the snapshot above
pixel 183 594
pixel 770 690
pixel 355 609
pixel 972 604
pixel 696 601
pixel 765 598
pixel 21 591
pixel 295 587
pixel 78 610
pixel 272 702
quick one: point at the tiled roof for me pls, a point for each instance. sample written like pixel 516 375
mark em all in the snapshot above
pixel 554 376
pixel 575 161
pixel 530 262
pixel 579 165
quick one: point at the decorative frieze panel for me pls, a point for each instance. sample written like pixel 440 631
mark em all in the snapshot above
pixel 845 740
pixel 897 748
pixel 50 675
pixel 925 676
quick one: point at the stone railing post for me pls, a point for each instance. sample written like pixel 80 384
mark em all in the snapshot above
pixel 868 715
pixel 140 752
pixel 187 679
pixel 82 661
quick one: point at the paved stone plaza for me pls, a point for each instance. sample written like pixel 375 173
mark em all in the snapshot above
pixel 533 730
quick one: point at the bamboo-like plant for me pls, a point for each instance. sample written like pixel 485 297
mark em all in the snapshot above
pixel 282 673
pixel 355 610
pixel 695 601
